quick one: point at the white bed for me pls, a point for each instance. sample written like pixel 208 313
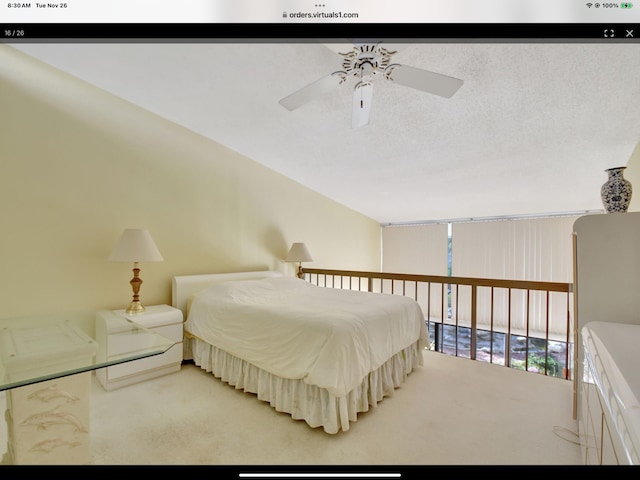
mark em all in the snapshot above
pixel 320 354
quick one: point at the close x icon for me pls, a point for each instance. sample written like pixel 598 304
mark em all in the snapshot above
pixel 613 33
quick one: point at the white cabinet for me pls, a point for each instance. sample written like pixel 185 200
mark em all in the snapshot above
pixel 595 437
pixel 609 422
pixel 606 284
pixel 162 319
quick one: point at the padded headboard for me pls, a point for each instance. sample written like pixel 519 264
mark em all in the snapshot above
pixel 184 286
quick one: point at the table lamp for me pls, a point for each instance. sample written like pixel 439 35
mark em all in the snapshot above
pixel 135 245
pixel 299 253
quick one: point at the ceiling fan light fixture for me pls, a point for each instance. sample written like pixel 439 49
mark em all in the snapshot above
pixel 362 101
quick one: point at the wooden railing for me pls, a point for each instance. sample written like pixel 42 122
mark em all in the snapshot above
pixel 535 352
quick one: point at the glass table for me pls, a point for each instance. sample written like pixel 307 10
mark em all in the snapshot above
pixel 46 363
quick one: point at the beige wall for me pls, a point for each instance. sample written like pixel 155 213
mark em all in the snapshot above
pixel 79 165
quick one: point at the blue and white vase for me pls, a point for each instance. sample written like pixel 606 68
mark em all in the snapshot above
pixel 616 191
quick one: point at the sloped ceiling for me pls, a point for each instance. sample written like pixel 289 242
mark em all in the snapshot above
pixel 530 132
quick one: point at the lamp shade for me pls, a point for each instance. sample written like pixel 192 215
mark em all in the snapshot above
pixel 135 245
pixel 298 253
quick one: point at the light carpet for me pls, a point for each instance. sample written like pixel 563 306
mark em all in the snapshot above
pixel 451 411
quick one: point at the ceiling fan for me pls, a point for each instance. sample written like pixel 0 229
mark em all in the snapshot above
pixel 364 62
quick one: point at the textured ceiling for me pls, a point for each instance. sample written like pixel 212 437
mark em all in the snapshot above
pixel 530 132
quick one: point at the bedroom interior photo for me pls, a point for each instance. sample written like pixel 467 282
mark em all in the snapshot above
pixel 202 146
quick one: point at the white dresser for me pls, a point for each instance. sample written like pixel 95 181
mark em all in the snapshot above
pixel 161 319
pixel 609 417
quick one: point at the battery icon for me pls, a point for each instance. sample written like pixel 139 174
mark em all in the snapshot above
pixel 626 5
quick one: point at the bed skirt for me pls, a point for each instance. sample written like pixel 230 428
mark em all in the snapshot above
pixel 306 402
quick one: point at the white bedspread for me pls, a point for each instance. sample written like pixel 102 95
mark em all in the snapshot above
pixel 331 338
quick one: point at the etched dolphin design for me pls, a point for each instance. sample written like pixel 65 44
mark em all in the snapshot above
pixel 55 416
pixel 49 445
pixel 49 393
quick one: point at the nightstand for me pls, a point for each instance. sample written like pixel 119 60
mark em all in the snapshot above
pixel 162 319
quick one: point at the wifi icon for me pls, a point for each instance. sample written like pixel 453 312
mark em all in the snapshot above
pixel 589 5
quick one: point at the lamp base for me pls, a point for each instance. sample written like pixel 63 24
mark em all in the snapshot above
pixel 135 307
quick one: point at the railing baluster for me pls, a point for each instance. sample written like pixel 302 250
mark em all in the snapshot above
pixel 474 300
pixel 546 343
pixel 568 370
pixel 491 326
pixel 526 345
pixel 457 319
pixel 429 300
pixel 507 346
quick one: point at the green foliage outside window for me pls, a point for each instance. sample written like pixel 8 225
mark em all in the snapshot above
pixel 537 363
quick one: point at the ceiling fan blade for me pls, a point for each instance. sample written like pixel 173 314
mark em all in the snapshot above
pixel 425 80
pixel 312 91
pixel 362 99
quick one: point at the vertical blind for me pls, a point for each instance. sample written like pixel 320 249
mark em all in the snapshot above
pixel 423 250
pixel 537 249
pixel 420 249
pixel 534 249
pixel 525 249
